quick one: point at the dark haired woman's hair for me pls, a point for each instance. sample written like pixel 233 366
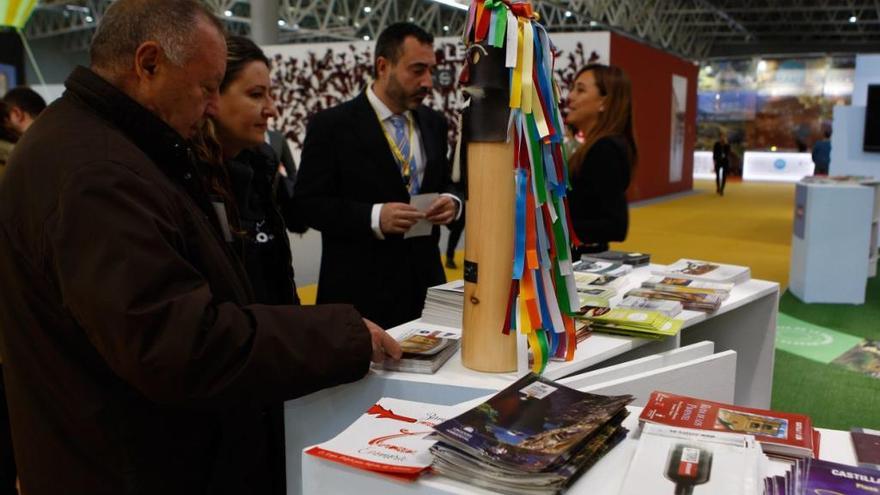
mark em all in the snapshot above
pixel 240 52
pixel 6 132
pixel 616 120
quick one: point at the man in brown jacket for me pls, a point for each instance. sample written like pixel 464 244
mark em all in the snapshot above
pixel 135 361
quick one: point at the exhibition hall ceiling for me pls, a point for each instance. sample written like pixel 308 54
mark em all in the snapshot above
pixel 696 29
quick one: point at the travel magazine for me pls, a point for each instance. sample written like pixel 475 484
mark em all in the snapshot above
pixel 781 434
pixel 535 436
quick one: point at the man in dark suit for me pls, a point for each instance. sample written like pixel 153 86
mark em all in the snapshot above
pixel 362 161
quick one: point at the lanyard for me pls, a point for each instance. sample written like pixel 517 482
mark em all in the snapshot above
pixel 406 163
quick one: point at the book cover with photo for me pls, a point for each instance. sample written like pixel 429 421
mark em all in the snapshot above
pixel 830 478
pixel 533 424
pixel 780 433
pixel 706 271
pixel 389 438
pixel 683 461
pixel 424 351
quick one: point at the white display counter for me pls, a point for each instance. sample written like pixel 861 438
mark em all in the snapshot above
pixel 745 323
pixel 776 167
pixel 321 476
pixel 831 244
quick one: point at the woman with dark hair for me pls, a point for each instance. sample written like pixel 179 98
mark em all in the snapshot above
pixel 241 171
pixel 600 107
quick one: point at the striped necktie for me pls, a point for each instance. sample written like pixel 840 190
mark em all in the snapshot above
pixel 405 160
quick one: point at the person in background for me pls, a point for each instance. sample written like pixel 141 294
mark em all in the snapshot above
pixel 362 162
pixel 7 138
pixel 136 358
pixel 822 152
pixel 721 158
pixel 600 106
pixel 8 475
pixel 24 105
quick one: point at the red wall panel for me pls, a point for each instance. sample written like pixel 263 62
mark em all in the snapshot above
pixel 650 71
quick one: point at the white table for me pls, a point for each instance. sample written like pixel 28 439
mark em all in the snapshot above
pixel 745 323
pixel 321 476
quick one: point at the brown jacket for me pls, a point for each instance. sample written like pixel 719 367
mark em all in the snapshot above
pixel 135 362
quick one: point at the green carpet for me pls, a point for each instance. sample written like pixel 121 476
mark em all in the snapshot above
pixel 835 397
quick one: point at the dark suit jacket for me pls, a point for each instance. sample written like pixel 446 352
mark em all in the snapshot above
pixel 346 167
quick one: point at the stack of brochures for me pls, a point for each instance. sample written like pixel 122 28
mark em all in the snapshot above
pixel 688 285
pixel 682 461
pixel 694 301
pixel 375 441
pixel 817 477
pixel 444 304
pixel 782 435
pixel 601 266
pixel 647 324
pixel 424 350
pixel 668 308
pixel 534 437
pixel 705 271
pixel 696 295
pixel 634 259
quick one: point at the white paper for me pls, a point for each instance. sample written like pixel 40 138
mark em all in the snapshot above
pixel 421 202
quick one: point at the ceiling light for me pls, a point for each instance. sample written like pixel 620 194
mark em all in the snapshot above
pixel 446 28
pixel 366 37
pixel 281 22
pixel 452 3
pixel 852 18
pixel 593 24
pixel 762 66
pixel 568 14
pixel 368 9
pixel 228 13
pixel 89 18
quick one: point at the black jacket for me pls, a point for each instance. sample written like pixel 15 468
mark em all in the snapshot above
pixel 135 359
pixel 264 246
pixel 597 200
pixel 346 167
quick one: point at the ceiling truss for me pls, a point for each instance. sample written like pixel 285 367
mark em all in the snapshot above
pixel 695 29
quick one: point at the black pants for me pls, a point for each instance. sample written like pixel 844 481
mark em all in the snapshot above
pixel 456 227
pixel 720 177
pixel 7 459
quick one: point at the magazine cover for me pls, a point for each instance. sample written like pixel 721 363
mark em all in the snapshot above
pixel 389 438
pixel 531 424
pixel 683 461
pixel 829 478
pixel 778 431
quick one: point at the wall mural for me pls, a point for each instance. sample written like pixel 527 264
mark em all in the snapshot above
pixel 308 78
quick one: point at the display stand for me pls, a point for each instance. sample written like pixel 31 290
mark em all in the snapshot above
pixel 831 243
pixel 745 323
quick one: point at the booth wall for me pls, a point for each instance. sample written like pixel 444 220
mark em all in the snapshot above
pixel 651 72
pixel 847 154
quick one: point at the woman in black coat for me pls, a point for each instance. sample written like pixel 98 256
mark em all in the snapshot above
pixel 600 107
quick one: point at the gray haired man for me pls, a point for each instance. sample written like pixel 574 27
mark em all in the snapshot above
pixel 135 361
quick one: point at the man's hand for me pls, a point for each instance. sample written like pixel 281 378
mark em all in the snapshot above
pixel 442 211
pixel 384 346
pixel 397 218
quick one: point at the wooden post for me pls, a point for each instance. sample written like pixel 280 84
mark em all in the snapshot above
pixel 488 254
